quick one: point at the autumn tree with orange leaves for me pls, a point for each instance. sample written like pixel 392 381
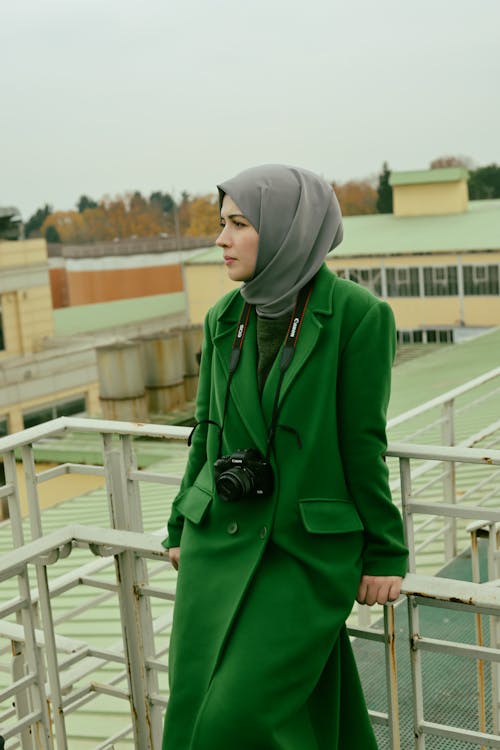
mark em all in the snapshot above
pixel 356 197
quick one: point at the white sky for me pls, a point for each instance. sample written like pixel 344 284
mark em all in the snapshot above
pixel 108 96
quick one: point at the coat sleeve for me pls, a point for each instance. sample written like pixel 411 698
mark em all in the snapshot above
pixel 197 454
pixel 364 389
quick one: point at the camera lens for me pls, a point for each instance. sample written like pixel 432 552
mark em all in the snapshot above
pixel 234 484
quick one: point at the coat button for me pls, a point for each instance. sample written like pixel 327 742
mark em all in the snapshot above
pixel 232 527
pixel 263 532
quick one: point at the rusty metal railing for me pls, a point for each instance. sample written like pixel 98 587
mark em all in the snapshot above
pixel 53 675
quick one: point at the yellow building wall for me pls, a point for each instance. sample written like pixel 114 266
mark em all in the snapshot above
pixel 482 311
pixel 22 253
pixel 205 284
pixel 425 312
pixel 27 316
pixel 430 199
pixel 36 317
pixel 11 325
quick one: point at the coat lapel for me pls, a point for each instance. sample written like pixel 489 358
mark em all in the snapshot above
pixel 320 305
pixel 244 390
pixel 256 414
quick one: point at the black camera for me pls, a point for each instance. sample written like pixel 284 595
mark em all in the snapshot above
pixel 243 474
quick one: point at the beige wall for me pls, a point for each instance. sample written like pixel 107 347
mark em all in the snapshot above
pixel 27 316
pixel 22 253
pixel 426 312
pixel 205 284
pixel 430 199
pixel 482 311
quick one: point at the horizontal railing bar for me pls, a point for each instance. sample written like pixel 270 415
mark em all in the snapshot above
pixel 6 489
pixel 459 606
pixel 157 593
pixel 108 656
pixel 456 733
pixel 460 454
pixel 16 633
pixel 96 583
pixel 158 700
pixel 159 666
pixel 104 689
pixel 455 511
pixel 155 478
pixel 15 560
pixel 145 545
pixel 13 606
pixel 81 424
pixel 21 725
pixel 64 469
pixel 378 717
pixel 450 590
pixel 369 634
pixel 468 650
pixel 20 684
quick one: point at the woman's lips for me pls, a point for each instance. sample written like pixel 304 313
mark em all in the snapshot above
pixel 228 259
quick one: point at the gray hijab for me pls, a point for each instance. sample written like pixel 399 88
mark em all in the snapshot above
pixel 297 216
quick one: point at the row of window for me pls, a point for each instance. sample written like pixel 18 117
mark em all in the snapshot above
pixel 46 413
pixel 429 281
pixel 430 336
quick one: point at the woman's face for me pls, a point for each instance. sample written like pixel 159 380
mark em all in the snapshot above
pixel 239 241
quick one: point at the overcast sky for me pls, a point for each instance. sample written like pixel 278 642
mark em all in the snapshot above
pixel 108 96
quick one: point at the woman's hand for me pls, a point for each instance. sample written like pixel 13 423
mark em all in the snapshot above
pixel 378 589
pixel 174 554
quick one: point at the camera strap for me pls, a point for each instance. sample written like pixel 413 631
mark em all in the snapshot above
pixel 288 351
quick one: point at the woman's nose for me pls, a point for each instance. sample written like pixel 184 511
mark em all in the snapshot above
pixel 223 238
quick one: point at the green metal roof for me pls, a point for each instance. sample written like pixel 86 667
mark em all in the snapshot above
pixel 424 378
pixel 426 176
pixel 86 318
pixel 385 234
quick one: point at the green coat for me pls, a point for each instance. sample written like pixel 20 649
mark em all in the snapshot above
pixel 259 656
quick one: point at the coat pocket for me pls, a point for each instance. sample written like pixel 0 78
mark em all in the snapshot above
pixel 193 504
pixel 324 515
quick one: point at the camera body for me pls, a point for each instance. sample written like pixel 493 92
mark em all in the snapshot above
pixel 245 473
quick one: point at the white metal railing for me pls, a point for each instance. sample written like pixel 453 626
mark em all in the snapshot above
pixel 54 676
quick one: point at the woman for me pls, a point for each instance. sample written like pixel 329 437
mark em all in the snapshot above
pixel 273 547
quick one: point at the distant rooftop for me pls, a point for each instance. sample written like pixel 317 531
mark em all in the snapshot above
pixel 88 318
pixel 476 229
pixel 426 176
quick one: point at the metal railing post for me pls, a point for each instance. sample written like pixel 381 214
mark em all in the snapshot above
pixel 131 574
pixel 449 478
pixel 481 686
pixel 40 735
pixel 45 604
pixel 416 673
pixel 391 676
pixel 143 602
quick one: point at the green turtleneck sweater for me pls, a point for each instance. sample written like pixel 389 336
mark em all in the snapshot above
pixel 270 335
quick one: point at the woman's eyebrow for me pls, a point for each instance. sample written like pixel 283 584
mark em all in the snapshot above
pixel 234 216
